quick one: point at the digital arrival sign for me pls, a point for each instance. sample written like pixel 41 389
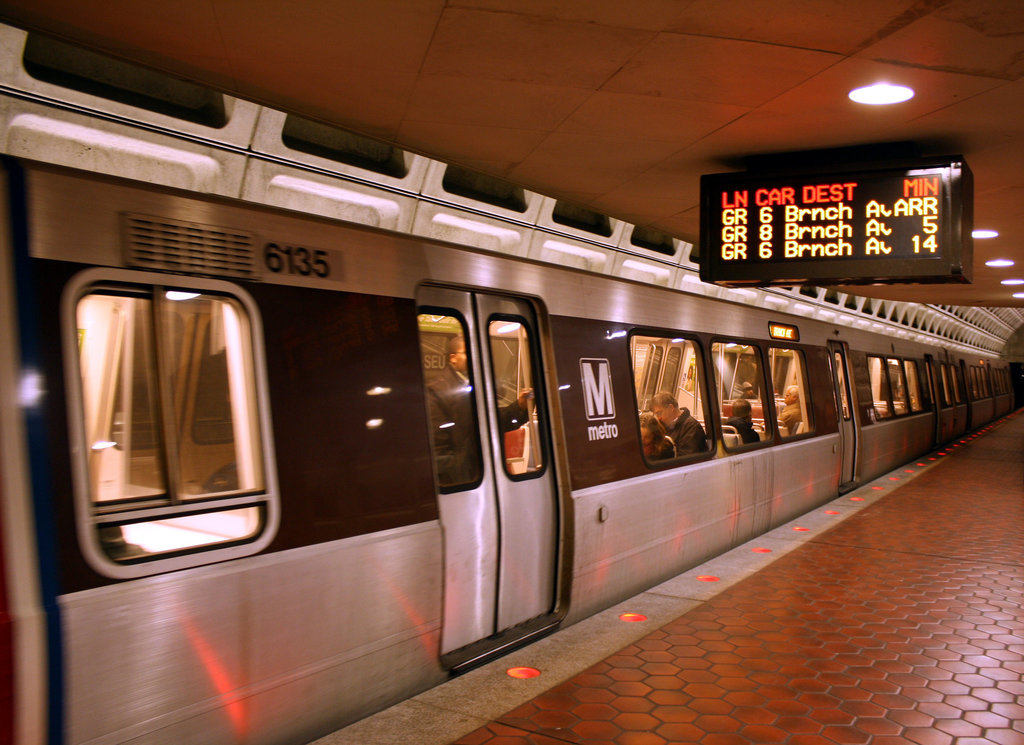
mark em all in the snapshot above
pixel 905 224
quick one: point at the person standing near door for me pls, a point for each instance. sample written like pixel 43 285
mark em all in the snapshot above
pixel 453 419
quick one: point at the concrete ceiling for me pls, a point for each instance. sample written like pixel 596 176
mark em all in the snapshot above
pixel 618 106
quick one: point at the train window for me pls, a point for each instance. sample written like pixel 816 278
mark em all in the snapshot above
pixel 789 378
pixel 176 454
pixel 972 378
pixel 986 382
pixel 914 386
pixel 898 386
pixel 668 380
pixel 518 415
pixel 739 382
pixel 447 373
pixel 879 387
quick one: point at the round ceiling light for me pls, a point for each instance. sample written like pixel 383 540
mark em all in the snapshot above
pixel 1013 281
pixel 881 94
pixel 984 234
pixel 999 262
pixel 1018 294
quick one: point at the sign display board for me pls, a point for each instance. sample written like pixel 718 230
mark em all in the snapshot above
pixel 783 331
pixel 905 224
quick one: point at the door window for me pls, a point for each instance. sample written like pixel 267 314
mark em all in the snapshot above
pixel 917 401
pixel 844 393
pixel 946 387
pixel 515 396
pixel 447 374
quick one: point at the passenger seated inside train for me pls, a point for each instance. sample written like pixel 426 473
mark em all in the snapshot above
pixel 685 431
pixel 657 444
pixel 745 390
pixel 790 417
pixel 742 422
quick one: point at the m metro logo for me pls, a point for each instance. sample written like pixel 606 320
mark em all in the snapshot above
pixel 599 403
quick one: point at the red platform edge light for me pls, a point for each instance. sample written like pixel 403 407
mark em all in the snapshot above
pixel 522 673
pixel 831 512
pixel 877 488
pixel 800 528
pixel 894 478
pixel 762 550
pixel 632 617
pixel 860 499
pixel 707 578
pixel 908 470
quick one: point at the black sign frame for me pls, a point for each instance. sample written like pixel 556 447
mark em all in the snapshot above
pixel 954 223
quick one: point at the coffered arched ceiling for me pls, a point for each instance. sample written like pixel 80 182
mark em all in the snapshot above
pixel 618 106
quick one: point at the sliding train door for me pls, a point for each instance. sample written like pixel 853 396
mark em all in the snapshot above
pixel 496 485
pixel 847 422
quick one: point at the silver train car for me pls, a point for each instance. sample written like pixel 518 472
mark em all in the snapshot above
pixel 284 440
pixel 233 494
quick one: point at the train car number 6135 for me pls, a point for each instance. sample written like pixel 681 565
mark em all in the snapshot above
pixel 280 258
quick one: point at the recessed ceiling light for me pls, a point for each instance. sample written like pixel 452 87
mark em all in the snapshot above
pixel 1013 281
pixel 984 234
pixel 999 262
pixel 880 94
pixel 1018 294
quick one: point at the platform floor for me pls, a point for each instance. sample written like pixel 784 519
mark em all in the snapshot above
pixel 890 616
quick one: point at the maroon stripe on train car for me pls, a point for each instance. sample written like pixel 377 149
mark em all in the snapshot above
pixel 337 478
pixel 602 444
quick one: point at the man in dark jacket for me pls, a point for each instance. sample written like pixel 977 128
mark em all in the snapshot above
pixel 453 420
pixel 741 421
pixel 685 431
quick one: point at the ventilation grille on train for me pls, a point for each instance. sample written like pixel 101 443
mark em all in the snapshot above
pixel 188 247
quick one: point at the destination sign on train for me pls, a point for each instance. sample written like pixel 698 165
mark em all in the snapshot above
pixel 882 226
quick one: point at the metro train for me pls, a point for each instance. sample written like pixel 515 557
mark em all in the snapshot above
pixel 264 471
pixel 238 506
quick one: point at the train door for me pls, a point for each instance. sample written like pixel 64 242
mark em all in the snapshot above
pixel 939 398
pixel 847 422
pixel 963 381
pixel 497 492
